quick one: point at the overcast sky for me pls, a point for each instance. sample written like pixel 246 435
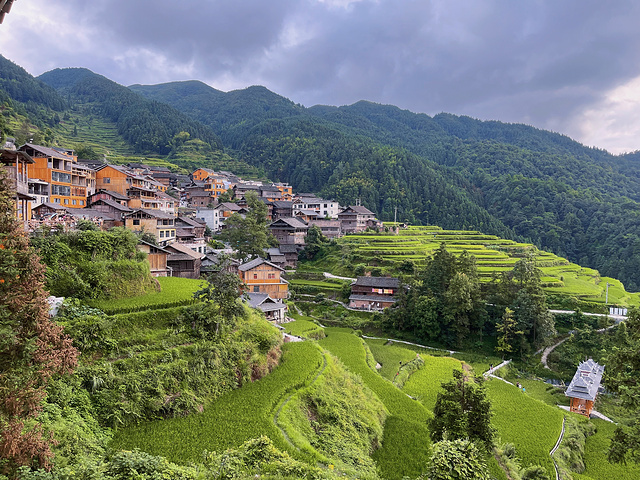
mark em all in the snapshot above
pixel 571 66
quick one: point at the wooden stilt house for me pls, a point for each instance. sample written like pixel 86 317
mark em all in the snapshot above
pixel 583 388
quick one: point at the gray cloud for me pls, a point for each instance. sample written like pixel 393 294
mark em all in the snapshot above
pixel 542 63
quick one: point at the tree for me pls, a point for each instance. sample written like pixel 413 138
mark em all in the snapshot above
pixel 222 306
pixel 521 291
pixel 457 460
pixel 623 377
pixel 248 235
pixel 462 411
pixel 32 347
pixel 507 333
pixel 315 241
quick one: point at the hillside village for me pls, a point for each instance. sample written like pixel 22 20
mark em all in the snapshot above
pixel 54 189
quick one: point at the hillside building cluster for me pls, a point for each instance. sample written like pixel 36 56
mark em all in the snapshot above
pixel 55 189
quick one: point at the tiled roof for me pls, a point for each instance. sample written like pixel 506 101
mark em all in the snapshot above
pixel 256 262
pixel 359 209
pixel 291 221
pixel 378 282
pixel 113 203
pixel 48 152
pixel 586 381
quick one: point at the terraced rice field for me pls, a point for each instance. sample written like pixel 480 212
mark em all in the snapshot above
pixel 493 256
pixel 231 419
pixel 531 425
pixel 405 447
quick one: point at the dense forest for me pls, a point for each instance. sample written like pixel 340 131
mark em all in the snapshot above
pixel 148 125
pixel 449 170
pixel 512 180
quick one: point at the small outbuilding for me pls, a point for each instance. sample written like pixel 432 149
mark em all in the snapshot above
pixel 583 388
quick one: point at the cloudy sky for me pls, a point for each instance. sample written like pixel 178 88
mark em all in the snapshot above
pixel 571 66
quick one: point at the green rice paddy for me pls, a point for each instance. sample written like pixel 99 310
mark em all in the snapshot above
pixel 494 255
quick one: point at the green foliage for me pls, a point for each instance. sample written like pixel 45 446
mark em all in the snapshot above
pixel 457 460
pixel 570 454
pixel 462 410
pixel 444 304
pixel 174 291
pixel 338 417
pixel 248 235
pixel 149 126
pixel 405 445
pixel 94 264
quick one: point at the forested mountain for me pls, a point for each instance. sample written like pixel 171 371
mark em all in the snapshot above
pixel 512 180
pixel 231 115
pixel 537 185
pixel 149 126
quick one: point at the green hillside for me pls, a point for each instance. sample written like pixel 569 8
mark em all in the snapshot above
pixel 388 252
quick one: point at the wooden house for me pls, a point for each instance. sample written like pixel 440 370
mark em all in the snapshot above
pixel 373 293
pixel 16 165
pixel 155 222
pixel 583 388
pixel 69 182
pixel 157 258
pixel 329 228
pixel 274 310
pixel 356 219
pixel 289 231
pixel 261 276
pixel 282 209
pixel 183 262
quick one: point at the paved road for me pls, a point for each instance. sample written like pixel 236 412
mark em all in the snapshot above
pixel 617 318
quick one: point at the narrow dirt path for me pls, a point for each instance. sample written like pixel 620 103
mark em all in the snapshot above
pixel 548 350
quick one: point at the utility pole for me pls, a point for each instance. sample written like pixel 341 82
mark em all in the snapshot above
pixel 395 215
pixel 606 300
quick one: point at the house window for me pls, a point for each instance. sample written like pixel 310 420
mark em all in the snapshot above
pixel 56 200
pixel 74 202
pixel 66 201
pixel 272 275
pixel 255 276
pixel 106 180
pixel 81 202
pixel 256 288
pixel 136 221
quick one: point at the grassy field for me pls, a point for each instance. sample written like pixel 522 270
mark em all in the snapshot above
pixel 174 291
pixel 303 327
pixel 531 425
pixel 405 447
pixel 597 465
pixel 233 418
pixel 425 383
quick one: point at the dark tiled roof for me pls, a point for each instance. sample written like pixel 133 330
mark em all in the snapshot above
pixel 291 221
pixel 378 282
pixel 586 381
pixel 117 195
pixel 359 209
pixel 113 203
pixel 48 152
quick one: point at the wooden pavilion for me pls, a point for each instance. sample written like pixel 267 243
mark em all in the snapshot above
pixel 583 388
